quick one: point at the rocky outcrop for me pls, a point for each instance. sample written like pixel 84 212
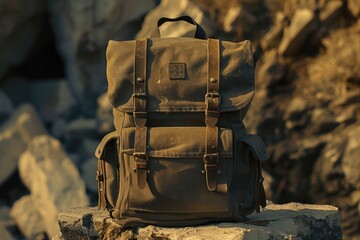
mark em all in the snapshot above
pixel 289 221
pixel 15 134
pixel 83 29
pixel 53 181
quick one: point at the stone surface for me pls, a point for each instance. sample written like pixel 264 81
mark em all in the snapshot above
pixel 27 217
pixel 82 30
pixel 302 24
pixel 21 22
pixel 52 179
pixel 53 99
pixel 288 221
pixel 15 134
pixel 78 129
pixel 175 9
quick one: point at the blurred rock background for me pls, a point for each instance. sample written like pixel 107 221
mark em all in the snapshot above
pixel 54 109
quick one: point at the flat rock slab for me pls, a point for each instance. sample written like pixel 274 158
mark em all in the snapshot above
pixel 288 221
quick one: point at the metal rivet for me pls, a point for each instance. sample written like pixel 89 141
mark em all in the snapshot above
pixel 212 146
pixel 218 172
pixel 134 169
pixel 203 171
pixel 139 80
pixel 148 171
pixel 212 80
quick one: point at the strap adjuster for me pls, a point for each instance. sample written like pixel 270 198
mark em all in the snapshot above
pixel 211 158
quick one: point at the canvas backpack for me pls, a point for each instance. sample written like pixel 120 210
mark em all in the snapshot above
pixel 180 154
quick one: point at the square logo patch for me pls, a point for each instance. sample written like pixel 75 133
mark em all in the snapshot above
pixel 177 71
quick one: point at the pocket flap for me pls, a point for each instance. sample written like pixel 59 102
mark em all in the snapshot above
pixel 100 150
pixel 256 145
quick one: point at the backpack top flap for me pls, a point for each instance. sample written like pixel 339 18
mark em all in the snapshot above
pixel 176 74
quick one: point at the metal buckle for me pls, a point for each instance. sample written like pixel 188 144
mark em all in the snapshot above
pixel 139 95
pixel 211 156
pixel 140 155
pixel 213 95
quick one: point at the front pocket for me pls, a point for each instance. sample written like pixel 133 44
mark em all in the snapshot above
pixel 108 171
pixel 176 182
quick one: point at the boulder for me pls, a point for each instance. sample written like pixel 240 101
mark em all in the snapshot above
pixel 273 37
pixel 88 173
pixel 53 99
pixel 346 99
pixel 238 17
pixel 172 9
pixel 354 7
pixel 350 160
pixel 270 72
pixel 322 121
pixel 79 129
pixel 52 179
pixel 82 31
pixel 288 221
pixel 295 35
pixel 296 113
pixel 6 106
pixel 27 217
pixel 21 24
pixel 15 134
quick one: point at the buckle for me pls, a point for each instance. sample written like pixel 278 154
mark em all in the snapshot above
pixel 212 95
pixel 208 158
pixel 140 155
pixel 139 95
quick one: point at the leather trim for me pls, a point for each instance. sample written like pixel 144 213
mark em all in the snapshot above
pixel 99 152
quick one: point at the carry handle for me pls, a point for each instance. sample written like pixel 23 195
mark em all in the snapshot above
pixel 199 32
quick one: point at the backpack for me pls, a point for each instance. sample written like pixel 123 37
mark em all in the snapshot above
pixel 180 154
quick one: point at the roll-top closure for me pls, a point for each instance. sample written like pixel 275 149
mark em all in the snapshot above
pixel 177 75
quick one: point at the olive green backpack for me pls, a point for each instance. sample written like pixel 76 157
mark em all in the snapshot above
pixel 180 154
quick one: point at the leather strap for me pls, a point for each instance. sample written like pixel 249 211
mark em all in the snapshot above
pixel 212 102
pixel 140 112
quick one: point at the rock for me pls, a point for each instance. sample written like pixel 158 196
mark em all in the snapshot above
pixel 88 173
pixel 175 9
pixel 52 179
pixel 268 184
pixel 21 24
pixel 350 160
pixel 15 134
pixel 82 30
pixel 349 114
pixel 58 128
pixel 105 114
pixel 270 72
pixel 13 85
pixel 302 24
pixel 288 221
pixel 347 99
pixel 53 99
pixel 27 217
pixel 354 7
pixel 6 106
pixel 238 17
pixel 331 12
pixel 273 37
pixel 322 121
pixel 79 129
pixel 6 222
pixel 296 113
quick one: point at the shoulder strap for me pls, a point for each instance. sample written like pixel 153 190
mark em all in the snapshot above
pixel 212 102
pixel 140 112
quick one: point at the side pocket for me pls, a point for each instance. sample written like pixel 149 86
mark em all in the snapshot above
pixel 107 174
pixel 257 150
